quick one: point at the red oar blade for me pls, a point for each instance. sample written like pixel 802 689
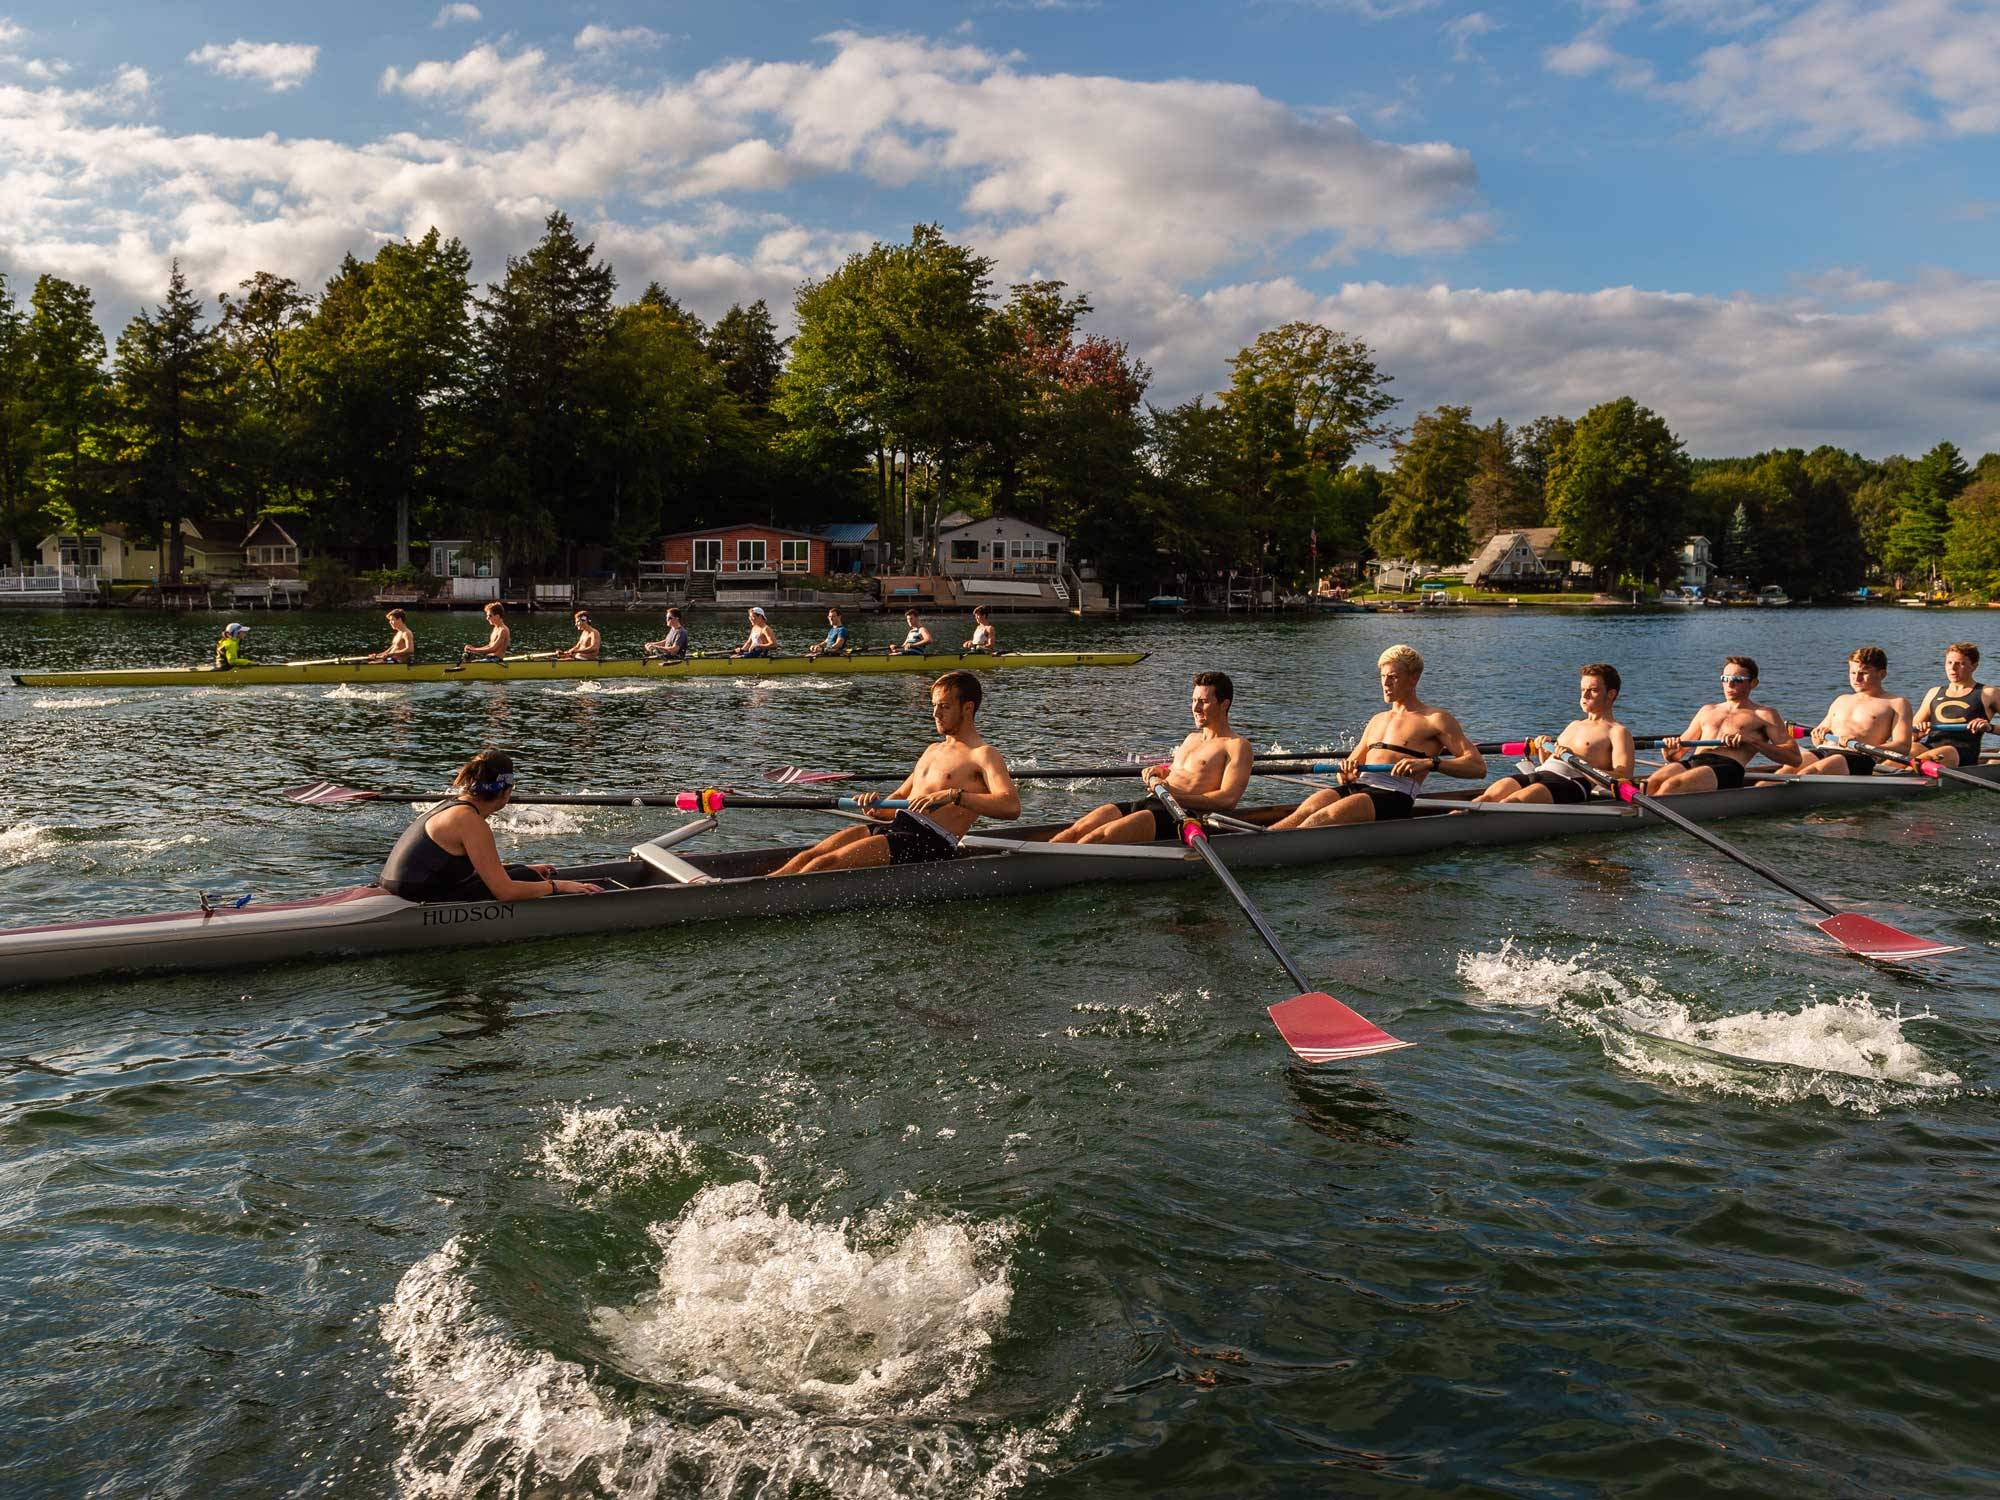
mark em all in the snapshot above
pixel 799 776
pixel 1320 1029
pixel 320 793
pixel 1873 939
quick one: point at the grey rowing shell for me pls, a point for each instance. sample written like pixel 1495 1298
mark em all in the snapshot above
pixel 366 919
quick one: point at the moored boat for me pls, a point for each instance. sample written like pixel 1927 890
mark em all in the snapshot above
pixel 653 888
pixel 335 674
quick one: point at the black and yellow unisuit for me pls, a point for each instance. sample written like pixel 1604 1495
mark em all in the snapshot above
pixel 1950 715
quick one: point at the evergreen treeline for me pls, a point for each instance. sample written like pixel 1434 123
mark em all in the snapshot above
pixel 541 416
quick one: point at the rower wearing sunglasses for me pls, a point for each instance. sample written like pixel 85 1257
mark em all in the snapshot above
pixel 1745 729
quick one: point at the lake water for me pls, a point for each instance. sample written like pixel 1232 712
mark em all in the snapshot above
pixel 1023 1198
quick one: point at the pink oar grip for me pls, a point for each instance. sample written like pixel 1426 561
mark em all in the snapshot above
pixel 688 801
pixel 1625 792
pixel 1928 768
pixel 1513 747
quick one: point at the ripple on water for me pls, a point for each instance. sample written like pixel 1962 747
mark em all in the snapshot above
pixel 842 1357
pixel 1847 1052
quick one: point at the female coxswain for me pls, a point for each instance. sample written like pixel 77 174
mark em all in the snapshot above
pixel 402 647
pixel 448 854
pixel 761 641
pixel 229 650
pixel 498 640
pixel 588 640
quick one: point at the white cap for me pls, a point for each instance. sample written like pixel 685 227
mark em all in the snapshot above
pixel 232 628
pixel 757 611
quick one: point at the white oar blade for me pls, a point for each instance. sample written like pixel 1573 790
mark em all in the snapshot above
pixel 1873 939
pixel 1322 1030
pixel 799 776
pixel 321 793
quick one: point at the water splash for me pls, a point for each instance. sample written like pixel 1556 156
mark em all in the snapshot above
pixel 591 687
pixel 23 843
pixel 72 701
pixel 523 823
pixel 350 692
pixel 27 843
pixel 1847 1051
pixel 847 1353
pixel 596 1151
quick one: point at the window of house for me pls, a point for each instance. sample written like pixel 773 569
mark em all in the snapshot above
pixel 275 556
pixel 794 557
pixel 708 554
pixel 749 554
pixel 81 554
pixel 964 551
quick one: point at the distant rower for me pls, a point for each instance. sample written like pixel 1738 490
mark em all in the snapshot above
pixel 589 640
pixel 1746 729
pixel 1418 739
pixel 916 640
pixel 448 854
pixel 955 783
pixel 229 650
pixel 1866 716
pixel 835 643
pixel 983 639
pixel 1597 738
pixel 402 647
pixel 497 640
pixel 1956 716
pixel 673 646
pixel 1209 773
pixel 762 639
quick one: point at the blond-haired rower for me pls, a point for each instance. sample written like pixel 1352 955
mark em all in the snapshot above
pixel 1410 737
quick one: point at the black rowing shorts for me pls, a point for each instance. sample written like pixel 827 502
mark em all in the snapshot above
pixel 1164 826
pixel 1562 788
pixel 915 840
pixel 1728 774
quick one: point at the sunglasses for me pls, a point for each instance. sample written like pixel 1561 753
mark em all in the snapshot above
pixel 1736 677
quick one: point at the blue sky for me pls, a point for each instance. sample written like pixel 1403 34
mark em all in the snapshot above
pixel 1774 221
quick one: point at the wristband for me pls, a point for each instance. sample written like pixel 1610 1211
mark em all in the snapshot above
pixel 552 885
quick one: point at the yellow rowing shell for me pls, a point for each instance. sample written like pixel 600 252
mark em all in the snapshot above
pixel 331 674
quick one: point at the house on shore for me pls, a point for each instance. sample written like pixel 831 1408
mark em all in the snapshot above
pixel 1525 558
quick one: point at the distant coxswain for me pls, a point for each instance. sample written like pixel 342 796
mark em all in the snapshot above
pixel 229 650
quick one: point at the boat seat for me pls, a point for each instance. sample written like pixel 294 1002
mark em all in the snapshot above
pixel 671 865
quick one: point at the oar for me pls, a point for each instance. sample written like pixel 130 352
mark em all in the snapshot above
pixel 1314 1024
pixel 799 776
pixel 326 661
pixel 329 793
pixel 1856 933
pixel 1930 768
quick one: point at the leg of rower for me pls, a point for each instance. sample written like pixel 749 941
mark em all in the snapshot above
pixel 1089 823
pixel 1125 828
pixel 799 863
pixel 1532 791
pixel 1686 781
pixel 1296 818
pixel 857 854
pixel 1355 809
pixel 1501 791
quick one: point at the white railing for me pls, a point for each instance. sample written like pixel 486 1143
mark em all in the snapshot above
pixel 56 580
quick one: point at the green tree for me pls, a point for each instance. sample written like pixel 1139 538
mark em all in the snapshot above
pixel 1345 506
pixel 1498 497
pixel 663 400
pixel 263 469
pixel 72 401
pixel 1877 502
pixel 18 425
pixel 1972 547
pixel 1619 491
pixel 171 419
pixel 1435 465
pixel 1916 540
pixel 747 350
pixel 1535 448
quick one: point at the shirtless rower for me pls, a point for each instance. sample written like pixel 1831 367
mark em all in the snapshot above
pixel 498 641
pixel 1418 738
pixel 589 640
pixel 1209 773
pixel 983 640
pixel 402 648
pixel 956 782
pixel 1957 715
pixel 916 640
pixel 762 639
pixel 1746 729
pixel 1866 716
pixel 1597 737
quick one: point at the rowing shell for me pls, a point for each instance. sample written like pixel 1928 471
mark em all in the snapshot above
pixel 333 674
pixel 654 889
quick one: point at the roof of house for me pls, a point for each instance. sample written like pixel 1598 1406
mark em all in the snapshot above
pixel 850 532
pixel 958 521
pixel 215 535
pixel 275 525
pixel 763 526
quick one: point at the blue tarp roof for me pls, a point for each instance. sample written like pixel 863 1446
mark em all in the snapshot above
pixel 848 531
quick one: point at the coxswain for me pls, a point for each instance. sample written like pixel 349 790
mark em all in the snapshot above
pixel 402 647
pixel 1956 715
pixel 761 641
pixel 498 640
pixel 836 642
pixel 1864 716
pixel 589 640
pixel 983 641
pixel 916 640
pixel 673 646
pixel 229 650
pixel 448 854
pixel 1418 738
pixel 955 782
pixel 1745 728
pixel 1597 739
pixel 1208 773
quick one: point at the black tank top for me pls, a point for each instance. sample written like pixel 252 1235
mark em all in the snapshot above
pixel 1948 720
pixel 420 869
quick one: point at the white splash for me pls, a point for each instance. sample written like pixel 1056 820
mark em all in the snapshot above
pixel 847 1354
pixel 71 701
pixel 595 1151
pixel 23 843
pixel 349 691
pixel 591 687
pixel 523 823
pixel 1847 1051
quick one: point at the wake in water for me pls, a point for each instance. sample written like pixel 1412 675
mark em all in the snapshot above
pixel 1846 1052
pixel 349 692
pixel 592 688
pixel 31 842
pixel 524 824
pixel 774 1356
pixel 76 702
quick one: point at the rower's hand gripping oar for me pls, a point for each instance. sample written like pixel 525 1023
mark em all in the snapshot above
pixel 1931 768
pixel 1314 1024
pixel 1854 932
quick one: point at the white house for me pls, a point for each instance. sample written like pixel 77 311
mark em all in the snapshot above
pixel 1697 563
pixel 998 547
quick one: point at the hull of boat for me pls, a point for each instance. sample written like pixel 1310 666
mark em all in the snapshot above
pixel 379 673
pixel 365 919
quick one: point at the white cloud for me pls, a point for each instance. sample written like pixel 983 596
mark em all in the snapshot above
pixel 606 39
pixel 1818 73
pixel 1463 31
pixel 448 14
pixel 276 65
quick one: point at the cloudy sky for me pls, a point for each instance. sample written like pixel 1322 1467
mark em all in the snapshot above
pixel 1774 221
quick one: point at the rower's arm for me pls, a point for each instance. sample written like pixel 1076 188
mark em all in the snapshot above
pixel 1900 737
pixel 478 841
pixel 1778 742
pixel 1923 718
pixel 1624 754
pixel 1465 759
pixel 1001 800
